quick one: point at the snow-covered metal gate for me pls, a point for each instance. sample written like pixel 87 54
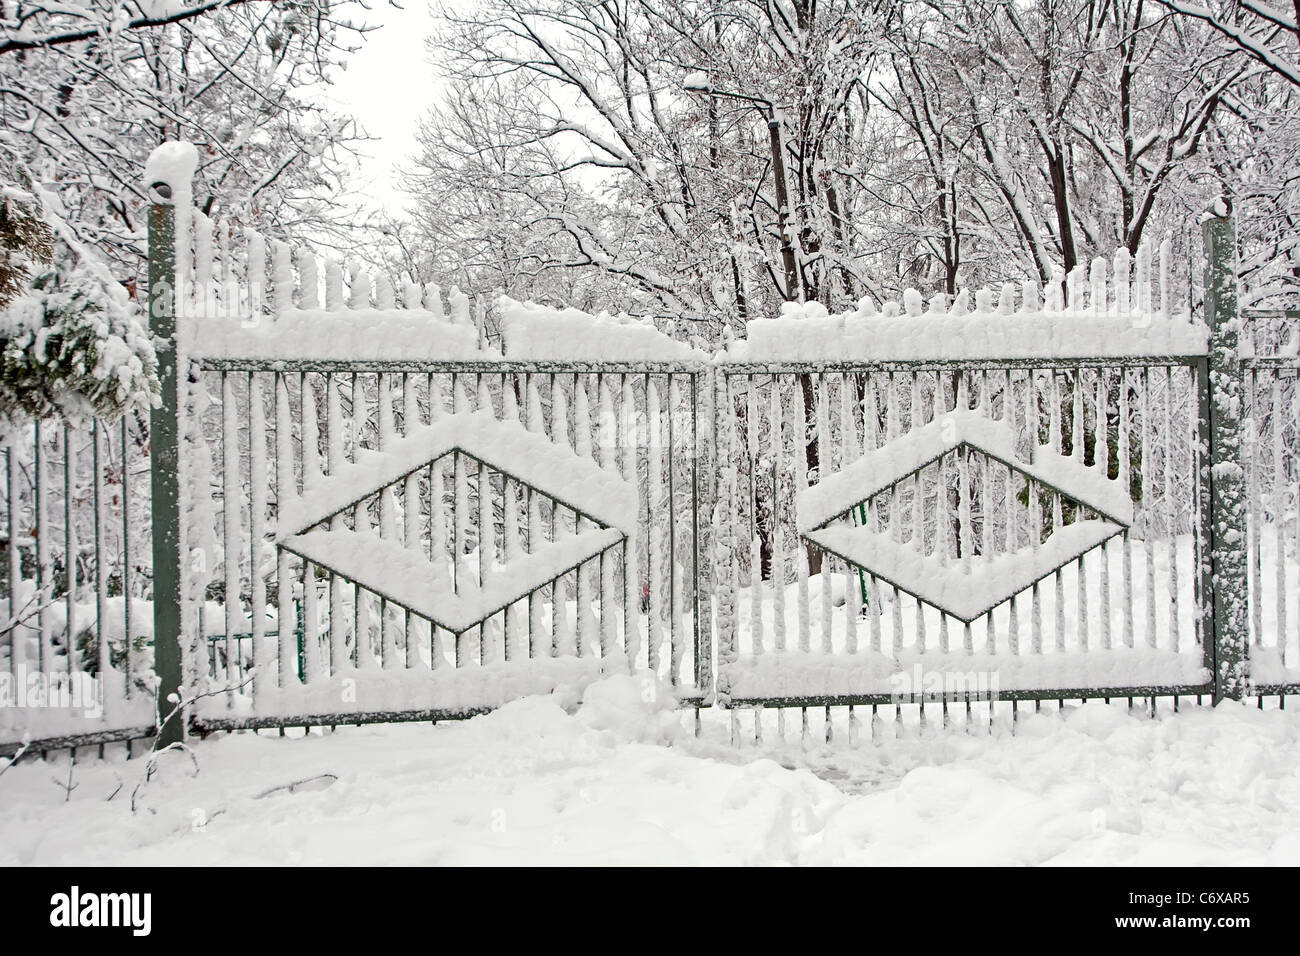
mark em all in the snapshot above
pixel 977 538
pixel 362 510
pixel 482 547
pixel 1040 497
pixel 383 517
pixel 359 509
pixel 1010 502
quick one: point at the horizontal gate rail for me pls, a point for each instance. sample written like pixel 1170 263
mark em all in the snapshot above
pixel 1059 694
pixel 744 367
pixel 488 366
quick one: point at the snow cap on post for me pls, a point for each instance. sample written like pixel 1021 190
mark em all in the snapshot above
pixel 1221 208
pixel 169 171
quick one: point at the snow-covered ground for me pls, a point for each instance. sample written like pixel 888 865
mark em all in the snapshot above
pixel 621 779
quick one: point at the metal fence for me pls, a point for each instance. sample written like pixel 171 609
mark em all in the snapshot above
pixel 1272 465
pixel 76 589
pixel 361 509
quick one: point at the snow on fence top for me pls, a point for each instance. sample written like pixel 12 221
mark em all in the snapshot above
pixel 1101 312
pixel 379 335
pixel 306 309
pixel 302 308
pixel 542 333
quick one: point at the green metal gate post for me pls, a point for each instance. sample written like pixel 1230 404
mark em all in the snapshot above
pixel 164 465
pixel 1227 480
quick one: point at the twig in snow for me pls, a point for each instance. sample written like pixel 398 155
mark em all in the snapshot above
pixel 69 786
pixel 179 704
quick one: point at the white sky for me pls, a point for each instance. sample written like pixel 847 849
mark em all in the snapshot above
pixel 389 84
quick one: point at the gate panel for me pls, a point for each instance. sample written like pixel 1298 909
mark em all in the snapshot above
pixel 487 519
pixel 433 530
pixel 954 507
pixel 984 558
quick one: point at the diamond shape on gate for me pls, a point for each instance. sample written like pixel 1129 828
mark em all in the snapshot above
pixel 404 575
pixel 966 589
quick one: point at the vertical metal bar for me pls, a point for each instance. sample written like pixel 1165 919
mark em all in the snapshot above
pixel 230 550
pixel 654 541
pixel 897 516
pixel 1253 429
pixel 45 646
pixel 799 431
pixel 607 450
pixel 127 667
pixel 1125 474
pixel 776 440
pixel 1171 510
pixel 1035 512
pixel 703 651
pixel 285 493
pixel 104 658
pixel 1057 441
pixel 985 406
pixel 363 651
pixel 755 540
pixel 70 548
pixel 855 582
pixel 1204 511
pixel 1278 499
pixel 631 579
pixel 583 620
pixel 1227 491
pixel 164 420
pixel 825 448
pixel 1148 483
pixel 410 503
pixel 1077 439
pixel 1295 426
pixel 17 652
pixel 258 480
pixel 486 532
pixel 334 459
pixel 1101 461
pixel 674 625
pixel 384 416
